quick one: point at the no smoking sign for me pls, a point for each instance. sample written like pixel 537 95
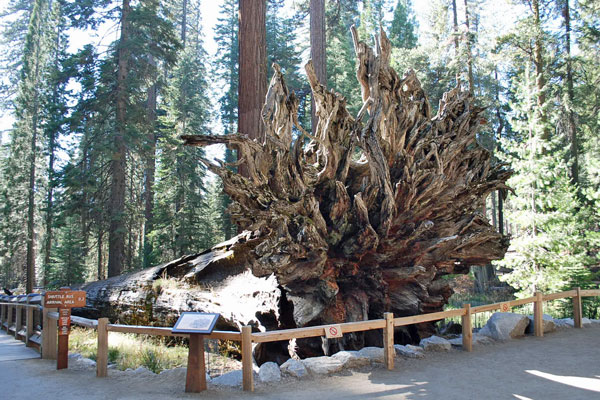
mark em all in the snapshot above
pixel 333 331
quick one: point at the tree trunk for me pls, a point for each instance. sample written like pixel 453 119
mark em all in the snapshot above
pixel 572 128
pixel 49 206
pixel 51 178
pixel 184 22
pixel 150 172
pixel 99 259
pixel 469 54
pixel 31 204
pixel 455 33
pixel 317 49
pixel 252 71
pixel 30 268
pixel 540 81
pixel 116 233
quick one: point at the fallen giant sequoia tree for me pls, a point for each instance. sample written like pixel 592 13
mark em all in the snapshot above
pixel 366 216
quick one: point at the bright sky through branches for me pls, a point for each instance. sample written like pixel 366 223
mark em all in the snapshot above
pixel 496 16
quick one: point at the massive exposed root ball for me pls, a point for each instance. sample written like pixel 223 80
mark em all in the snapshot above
pixel 370 213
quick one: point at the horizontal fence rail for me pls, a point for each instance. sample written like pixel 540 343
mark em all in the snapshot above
pixel 19 314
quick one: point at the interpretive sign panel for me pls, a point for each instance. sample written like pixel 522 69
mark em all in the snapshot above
pixel 192 322
pixel 64 299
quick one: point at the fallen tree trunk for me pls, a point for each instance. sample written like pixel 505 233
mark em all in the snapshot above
pixel 215 280
pixel 368 215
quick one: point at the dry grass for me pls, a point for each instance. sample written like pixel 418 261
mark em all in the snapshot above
pixel 133 351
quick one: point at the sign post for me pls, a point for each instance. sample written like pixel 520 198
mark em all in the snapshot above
pixel 196 325
pixel 64 300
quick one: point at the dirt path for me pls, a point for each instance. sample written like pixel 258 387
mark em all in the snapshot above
pixel 562 365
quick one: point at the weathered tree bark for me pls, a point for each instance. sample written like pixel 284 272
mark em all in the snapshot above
pixel 253 69
pixel 317 49
pixel 362 218
pixel 117 229
pixel 214 281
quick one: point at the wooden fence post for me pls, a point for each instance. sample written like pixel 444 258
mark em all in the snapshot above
pixel 467 329
pixel 102 351
pixel 388 341
pixel 49 335
pixel 18 319
pixel 9 320
pixel 248 373
pixel 577 310
pixel 28 322
pixel 2 315
pixel 538 314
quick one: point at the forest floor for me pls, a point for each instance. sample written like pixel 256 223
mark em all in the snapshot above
pixel 563 364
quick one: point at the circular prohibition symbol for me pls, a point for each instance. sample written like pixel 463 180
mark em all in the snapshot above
pixel 333 330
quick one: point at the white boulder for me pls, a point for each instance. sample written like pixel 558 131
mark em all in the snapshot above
pixel 322 365
pixel 569 323
pixel 351 359
pixel 477 339
pixel 233 379
pixel 505 326
pixel 435 343
pixel 294 368
pixel 375 354
pixel 269 372
pixel 409 351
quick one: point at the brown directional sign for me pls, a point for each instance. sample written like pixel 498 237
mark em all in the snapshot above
pixel 65 299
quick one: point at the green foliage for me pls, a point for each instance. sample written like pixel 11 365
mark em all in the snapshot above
pixel 341 61
pixel 555 235
pixel 67 263
pixel 433 60
pixel 402 29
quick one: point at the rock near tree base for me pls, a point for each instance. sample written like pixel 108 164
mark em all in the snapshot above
pixel 505 326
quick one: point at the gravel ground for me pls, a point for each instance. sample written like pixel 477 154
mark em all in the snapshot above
pixel 562 365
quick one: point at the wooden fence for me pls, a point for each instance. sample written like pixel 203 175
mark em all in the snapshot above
pixel 12 310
